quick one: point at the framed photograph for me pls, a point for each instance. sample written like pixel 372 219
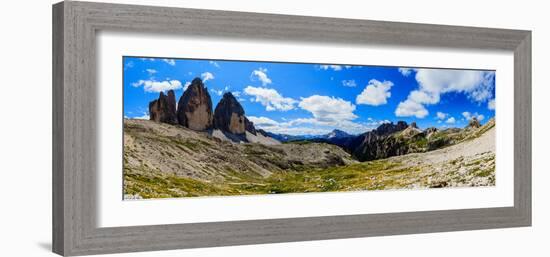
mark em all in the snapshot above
pixel 183 128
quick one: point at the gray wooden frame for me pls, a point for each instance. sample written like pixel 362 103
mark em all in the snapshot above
pixel 75 25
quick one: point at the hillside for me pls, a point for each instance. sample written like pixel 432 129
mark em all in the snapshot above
pixel 155 151
pixel 163 160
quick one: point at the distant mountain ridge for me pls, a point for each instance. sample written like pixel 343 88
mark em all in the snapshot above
pixel 391 139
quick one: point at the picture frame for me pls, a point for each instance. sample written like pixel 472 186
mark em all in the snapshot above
pixel 75 25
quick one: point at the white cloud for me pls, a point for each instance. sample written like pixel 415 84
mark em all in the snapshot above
pixel 152 86
pixel 261 75
pixel 270 98
pixel 285 127
pixel 334 67
pixel 410 108
pixel 451 120
pixel 206 76
pixel 349 83
pixel 406 71
pixel 327 108
pixel 145 116
pixel 477 85
pixel 171 62
pixel 263 122
pixel 151 71
pixel 375 93
pixel 491 104
pixel 128 65
pixel 441 115
pixel 423 97
pixel 215 64
pixel 468 116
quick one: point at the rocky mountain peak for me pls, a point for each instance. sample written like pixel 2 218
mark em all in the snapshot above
pixel 473 123
pixel 336 133
pixel 389 128
pixel 164 108
pixel 413 125
pixel 195 107
pixel 229 115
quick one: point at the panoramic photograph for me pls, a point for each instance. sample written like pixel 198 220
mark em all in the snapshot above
pixel 196 128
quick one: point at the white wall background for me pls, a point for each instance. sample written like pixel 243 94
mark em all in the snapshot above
pixel 25 128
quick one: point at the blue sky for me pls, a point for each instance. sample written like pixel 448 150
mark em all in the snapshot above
pixel 296 98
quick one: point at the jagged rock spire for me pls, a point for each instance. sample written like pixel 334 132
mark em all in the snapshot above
pixel 195 107
pixel 229 115
pixel 164 108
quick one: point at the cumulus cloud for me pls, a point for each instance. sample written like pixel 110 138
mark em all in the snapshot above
pixel 411 108
pixel 477 85
pixel 206 76
pixel 270 98
pixel 450 120
pixel 468 116
pixel 491 104
pixel 349 83
pixel 261 75
pixel 327 108
pixel 334 67
pixel 145 116
pixel 375 93
pixel 128 65
pixel 263 122
pixel 152 86
pixel 406 71
pixel 170 62
pixel 441 115
pixel 151 71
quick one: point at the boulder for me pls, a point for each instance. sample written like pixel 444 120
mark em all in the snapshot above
pixel 164 108
pixel 229 115
pixel 195 107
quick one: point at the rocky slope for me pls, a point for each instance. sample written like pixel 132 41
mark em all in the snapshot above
pixel 158 147
pixel 162 160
